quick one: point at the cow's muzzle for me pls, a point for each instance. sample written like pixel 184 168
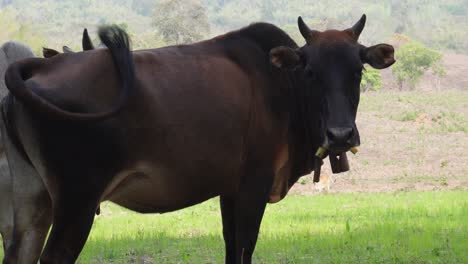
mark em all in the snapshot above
pixel 338 141
pixel 341 139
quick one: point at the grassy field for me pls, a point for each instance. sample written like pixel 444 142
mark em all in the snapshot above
pixel 400 227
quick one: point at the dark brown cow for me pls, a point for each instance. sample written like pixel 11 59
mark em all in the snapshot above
pixel 238 116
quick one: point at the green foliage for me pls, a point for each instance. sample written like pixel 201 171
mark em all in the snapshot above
pixel 143 7
pixel 415 18
pixel 14 29
pixel 413 59
pixel 437 24
pixel 406 116
pixel 181 21
pixel 448 121
pixel 371 80
pixel 456 8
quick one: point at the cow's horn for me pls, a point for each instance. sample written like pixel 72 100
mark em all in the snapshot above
pixel 86 41
pixel 358 27
pixel 306 32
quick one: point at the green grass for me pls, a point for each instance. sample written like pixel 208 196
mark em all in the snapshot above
pixel 402 227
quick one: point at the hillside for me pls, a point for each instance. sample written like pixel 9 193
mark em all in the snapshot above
pixel 409 141
pixel 456 77
pixel 438 24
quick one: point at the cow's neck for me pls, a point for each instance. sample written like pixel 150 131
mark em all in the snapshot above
pixel 304 126
pixel 268 36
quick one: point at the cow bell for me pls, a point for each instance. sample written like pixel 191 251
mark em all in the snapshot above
pixel 339 163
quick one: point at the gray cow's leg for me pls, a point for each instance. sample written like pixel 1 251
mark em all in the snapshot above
pixel 31 207
pixel 6 207
pixel 9 53
pixel 6 202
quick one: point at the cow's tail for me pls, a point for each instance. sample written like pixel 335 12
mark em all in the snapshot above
pixel 116 40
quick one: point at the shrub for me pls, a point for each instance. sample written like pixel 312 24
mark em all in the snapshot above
pixel 371 80
pixel 413 59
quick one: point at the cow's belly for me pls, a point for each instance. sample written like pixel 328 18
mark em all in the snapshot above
pixel 151 189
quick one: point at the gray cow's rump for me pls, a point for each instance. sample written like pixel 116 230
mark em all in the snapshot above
pixel 9 53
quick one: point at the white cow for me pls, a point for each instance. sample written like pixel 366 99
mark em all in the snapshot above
pixel 20 184
pixel 9 53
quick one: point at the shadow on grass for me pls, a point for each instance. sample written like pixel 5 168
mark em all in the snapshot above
pixel 353 228
pixel 380 245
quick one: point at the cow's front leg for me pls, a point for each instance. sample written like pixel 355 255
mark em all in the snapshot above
pixel 73 217
pixel 250 206
pixel 229 227
pixel 72 223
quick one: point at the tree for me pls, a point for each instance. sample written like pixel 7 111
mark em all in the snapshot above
pixel 143 7
pixel 371 80
pixel 181 21
pixel 14 29
pixel 413 59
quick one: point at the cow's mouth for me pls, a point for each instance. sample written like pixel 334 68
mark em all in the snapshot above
pixel 338 160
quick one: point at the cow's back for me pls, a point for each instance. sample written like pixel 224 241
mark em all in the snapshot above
pixel 10 52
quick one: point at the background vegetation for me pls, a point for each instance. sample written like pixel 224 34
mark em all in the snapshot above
pixel 413 60
pixel 420 26
pixel 437 24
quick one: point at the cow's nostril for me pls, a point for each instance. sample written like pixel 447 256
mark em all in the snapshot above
pixel 330 135
pixel 339 135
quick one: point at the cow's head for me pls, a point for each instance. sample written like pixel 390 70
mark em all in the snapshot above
pixel 331 64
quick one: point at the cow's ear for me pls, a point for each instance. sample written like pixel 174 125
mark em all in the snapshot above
pixel 66 49
pixel 284 57
pixel 379 56
pixel 47 53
